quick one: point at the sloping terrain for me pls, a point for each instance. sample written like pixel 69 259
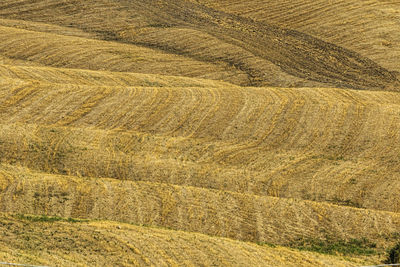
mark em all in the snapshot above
pixel 100 243
pixel 200 158
pixel 249 140
pixel 263 54
pixel 75 52
pixel 218 123
pixel 214 212
pixel 369 27
pixel 63 76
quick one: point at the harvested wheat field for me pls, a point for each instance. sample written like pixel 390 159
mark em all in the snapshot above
pixel 199 132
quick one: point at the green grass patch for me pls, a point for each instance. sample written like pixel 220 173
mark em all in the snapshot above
pixel 393 255
pixel 340 247
pixel 271 245
pixel 345 202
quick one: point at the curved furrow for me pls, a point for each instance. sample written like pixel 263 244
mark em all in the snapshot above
pixel 80 53
pixel 367 27
pixel 258 140
pixel 262 54
pixel 100 78
pixel 46 28
pixel 264 121
pixel 115 243
pixel 237 216
pixel 207 47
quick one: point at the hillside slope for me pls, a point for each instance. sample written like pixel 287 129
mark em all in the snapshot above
pixel 367 27
pixel 249 140
pixel 260 53
pixel 209 119
pixel 118 244
pixel 218 213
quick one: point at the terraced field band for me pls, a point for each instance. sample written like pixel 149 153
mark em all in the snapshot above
pixel 24 265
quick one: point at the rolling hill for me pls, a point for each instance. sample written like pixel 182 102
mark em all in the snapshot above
pixel 184 132
pixel 257 53
pixel 368 27
pixel 110 243
pixel 248 140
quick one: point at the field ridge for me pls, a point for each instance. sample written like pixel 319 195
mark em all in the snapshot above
pixel 154 132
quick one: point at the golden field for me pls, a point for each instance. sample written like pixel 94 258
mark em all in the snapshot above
pixel 367 27
pixel 119 244
pixel 197 132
